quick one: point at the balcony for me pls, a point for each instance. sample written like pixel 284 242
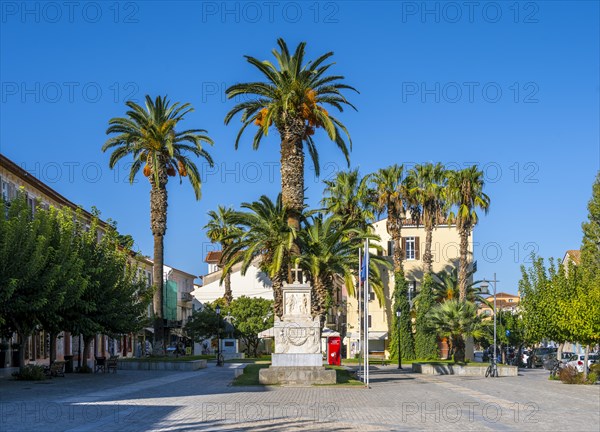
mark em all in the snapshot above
pixel 186 297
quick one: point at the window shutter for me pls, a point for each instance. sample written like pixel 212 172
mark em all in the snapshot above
pixel 417 248
pixel 369 321
pixel 390 250
pixel 404 246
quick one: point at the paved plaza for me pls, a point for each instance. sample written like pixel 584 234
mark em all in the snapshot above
pixel 205 400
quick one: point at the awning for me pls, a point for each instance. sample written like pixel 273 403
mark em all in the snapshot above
pixel 373 335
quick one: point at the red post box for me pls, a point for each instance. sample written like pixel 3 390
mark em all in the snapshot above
pixel 334 350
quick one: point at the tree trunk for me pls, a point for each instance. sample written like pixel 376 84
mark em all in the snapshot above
pixel 321 296
pixel 158 225
pixel 427 257
pixel 87 340
pixel 292 168
pixel 394 229
pixel 52 347
pixel 585 363
pixel 464 263
pixel 458 345
pixel 277 281
pixel 228 295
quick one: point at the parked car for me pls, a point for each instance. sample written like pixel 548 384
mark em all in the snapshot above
pixel 566 356
pixel 540 355
pixel 577 361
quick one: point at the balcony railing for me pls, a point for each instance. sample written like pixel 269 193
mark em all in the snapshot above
pixel 186 297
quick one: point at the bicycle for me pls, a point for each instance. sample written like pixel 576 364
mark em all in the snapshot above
pixel 492 369
pixel 556 368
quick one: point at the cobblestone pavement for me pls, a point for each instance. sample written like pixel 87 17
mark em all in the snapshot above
pixel 204 400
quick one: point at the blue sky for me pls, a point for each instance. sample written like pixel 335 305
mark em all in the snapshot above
pixel 512 87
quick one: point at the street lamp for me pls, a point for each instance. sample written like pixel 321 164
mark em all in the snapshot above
pixel 485 285
pixel 398 315
pixel 219 359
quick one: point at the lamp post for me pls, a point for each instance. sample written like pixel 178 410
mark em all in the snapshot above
pixel 398 315
pixel 219 360
pixel 485 286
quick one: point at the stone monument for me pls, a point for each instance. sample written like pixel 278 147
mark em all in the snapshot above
pixel 297 359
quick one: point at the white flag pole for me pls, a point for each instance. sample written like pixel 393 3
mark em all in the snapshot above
pixel 366 294
pixel 358 297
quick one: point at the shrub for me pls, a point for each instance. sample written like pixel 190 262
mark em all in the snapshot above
pixel 592 377
pixel 569 375
pixel 595 367
pixel 30 373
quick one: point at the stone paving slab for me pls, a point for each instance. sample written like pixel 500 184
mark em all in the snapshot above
pixel 203 400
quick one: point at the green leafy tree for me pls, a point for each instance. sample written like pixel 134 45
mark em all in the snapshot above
pixel 151 138
pixel 292 98
pixel 456 320
pixel 204 324
pixel 267 239
pixel 545 292
pixel 426 345
pixel 114 300
pixel 26 253
pixel 465 191
pixel 581 316
pixel 403 324
pixel 65 273
pixel 250 317
pixel 220 230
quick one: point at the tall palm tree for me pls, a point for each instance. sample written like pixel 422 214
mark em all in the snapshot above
pixel 220 230
pixel 465 191
pixel 292 97
pixel 445 287
pixel 349 196
pixel 456 320
pixel 329 248
pixel 267 237
pixel 427 185
pixel 392 198
pixel 150 136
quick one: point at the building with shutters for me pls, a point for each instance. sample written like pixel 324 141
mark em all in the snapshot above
pixel 177 289
pixel 445 250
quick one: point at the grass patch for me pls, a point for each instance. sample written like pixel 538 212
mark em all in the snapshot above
pixel 344 377
pixel 250 375
pixel 265 358
pixel 169 358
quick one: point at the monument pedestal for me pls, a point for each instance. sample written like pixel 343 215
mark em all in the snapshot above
pixel 297 359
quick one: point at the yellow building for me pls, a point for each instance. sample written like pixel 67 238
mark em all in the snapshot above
pixel 504 302
pixel 445 251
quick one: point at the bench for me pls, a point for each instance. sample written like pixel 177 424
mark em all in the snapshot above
pixel 56 369
pixel 100 364
pixel 378 356
pixel 111 363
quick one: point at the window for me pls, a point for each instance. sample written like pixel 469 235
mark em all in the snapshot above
pixel 371 295
pixel 410 248
pixel 369 321
pixel 510 300
pixel 390 248
pixel 412 289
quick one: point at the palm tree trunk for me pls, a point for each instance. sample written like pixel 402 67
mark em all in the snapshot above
pixel 228 295
pixel 158 224
pixel 394 228
pixel 464 263
pixel 277 281
pixel 292 168
pixel 427 257
pixel 320 290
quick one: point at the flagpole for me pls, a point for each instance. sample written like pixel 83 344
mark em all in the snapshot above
pixel 360 343
pixel 366 295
